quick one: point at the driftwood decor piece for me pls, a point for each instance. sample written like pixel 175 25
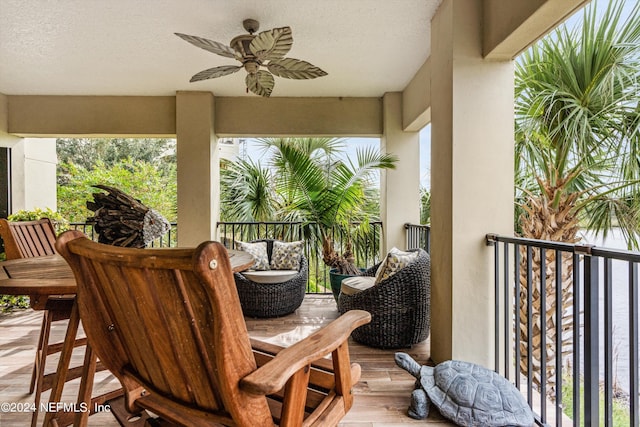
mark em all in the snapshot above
pixel 121 220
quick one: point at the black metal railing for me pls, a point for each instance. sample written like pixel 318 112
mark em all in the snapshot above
pixel 168 240
pixel 581 289
pixel 366 244
pixel 418 236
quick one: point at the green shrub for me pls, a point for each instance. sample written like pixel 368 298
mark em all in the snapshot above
pixel 60 223
pixel 621 416
pixel 12 302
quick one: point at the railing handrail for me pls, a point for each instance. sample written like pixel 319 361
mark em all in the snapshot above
pixel 576 248
pixel 408 225
pixel 283 222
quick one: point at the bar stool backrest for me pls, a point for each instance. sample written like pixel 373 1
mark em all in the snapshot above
pixel 27 239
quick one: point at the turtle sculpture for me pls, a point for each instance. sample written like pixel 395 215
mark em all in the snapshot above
pixel 465 393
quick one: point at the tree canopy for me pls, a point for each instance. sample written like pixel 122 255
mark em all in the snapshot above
pixel 578 128
pixel 145 169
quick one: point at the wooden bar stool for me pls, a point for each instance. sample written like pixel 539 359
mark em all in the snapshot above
pixel 29 239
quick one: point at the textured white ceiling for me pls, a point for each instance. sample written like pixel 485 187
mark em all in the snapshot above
pixel 127 47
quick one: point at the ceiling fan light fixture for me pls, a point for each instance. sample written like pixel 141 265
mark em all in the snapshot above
pixel 252 67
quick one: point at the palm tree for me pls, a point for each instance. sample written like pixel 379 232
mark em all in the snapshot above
pixel 308 182
pixel 577 144
pixel 247 194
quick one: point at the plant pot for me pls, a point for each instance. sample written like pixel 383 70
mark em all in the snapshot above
pixel 336 280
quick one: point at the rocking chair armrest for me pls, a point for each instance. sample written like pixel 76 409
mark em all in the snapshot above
pixel 272 376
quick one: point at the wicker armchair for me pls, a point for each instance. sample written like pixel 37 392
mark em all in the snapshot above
pixel 400 306
pixel 272 299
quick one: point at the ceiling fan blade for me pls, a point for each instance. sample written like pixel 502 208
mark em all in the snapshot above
pixel 208 45
pixel 260 83
pixel 212 73
pixel 272 44
pixel 291 68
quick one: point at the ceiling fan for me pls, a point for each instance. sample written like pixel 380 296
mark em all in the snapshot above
pixel 264 50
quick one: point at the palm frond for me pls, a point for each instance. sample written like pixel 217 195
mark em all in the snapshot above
pixel 578 115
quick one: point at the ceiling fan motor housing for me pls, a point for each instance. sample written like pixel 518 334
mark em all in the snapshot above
pixel 251 25
pixel 241 45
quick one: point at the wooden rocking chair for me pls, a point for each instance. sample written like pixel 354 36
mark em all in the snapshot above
pixel 168 324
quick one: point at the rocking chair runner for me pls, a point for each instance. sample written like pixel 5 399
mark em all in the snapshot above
pixel 168 324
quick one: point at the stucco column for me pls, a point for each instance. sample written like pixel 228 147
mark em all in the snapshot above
pixel 399 187
pixel 33 174
pixel 472 183
pixel 198 168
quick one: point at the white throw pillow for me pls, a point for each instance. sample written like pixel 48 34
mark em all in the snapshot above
pixel 258 251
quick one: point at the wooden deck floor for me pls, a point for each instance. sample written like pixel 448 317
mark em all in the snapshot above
pixel 381 396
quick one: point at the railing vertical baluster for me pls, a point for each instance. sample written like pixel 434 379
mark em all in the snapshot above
pixel 507 318
pixel 608 343
pixel 558 343
pixel 428 239
pixel 543 334
pixel 576 339
pixel 233 234
pixel 633 345
pixel 591 345
pixel 529 327
pixel 496 279
pixel 223 238
pixel 516 310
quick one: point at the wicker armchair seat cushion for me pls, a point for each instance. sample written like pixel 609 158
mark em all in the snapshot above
pixel 400 306
pixel 353 285
pixel 272 299
pixel 270 276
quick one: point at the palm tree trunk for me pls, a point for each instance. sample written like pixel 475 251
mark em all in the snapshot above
pixel 543 221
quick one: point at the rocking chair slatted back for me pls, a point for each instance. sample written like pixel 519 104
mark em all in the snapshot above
pixel 168 323
pixel 27 239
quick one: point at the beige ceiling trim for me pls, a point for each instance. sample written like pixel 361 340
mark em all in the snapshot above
pixel 40 115
pixel 348 117
pixel 54 116
pixel 511 26
pixel 416 100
